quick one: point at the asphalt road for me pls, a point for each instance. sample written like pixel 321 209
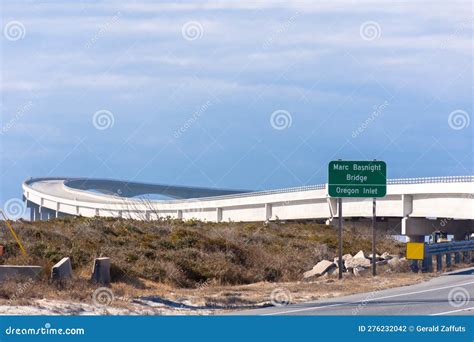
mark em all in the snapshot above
pixel 449 294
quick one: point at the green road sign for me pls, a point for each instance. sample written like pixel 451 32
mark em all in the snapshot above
pixel 357 179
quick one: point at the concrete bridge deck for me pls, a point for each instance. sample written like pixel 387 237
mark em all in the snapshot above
pixel 417 206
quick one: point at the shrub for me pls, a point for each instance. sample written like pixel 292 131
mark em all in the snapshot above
pixel 187 253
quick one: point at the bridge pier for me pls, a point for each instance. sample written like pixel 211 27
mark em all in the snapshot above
pixel 268 211
pixel 46 214
pixel 34 211
pixel 457 258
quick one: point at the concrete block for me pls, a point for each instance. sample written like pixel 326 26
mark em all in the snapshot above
pixel 62 269
pixel 319 269
pixel 23 271
pixel 101 271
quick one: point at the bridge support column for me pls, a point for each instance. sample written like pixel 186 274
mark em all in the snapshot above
pixel 179 213
pixel 448 260
pixel 219 214
pixel 439 262
pixel 427 264
pixel 457 258
pixel 268 211
pixel 407 207
pixel 43 214
pixel 34 211
pixel 47 214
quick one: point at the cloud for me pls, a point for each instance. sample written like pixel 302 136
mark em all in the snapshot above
pixel 253 58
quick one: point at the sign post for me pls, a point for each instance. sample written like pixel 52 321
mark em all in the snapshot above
pixel 339 210
pixel 357 179
pixel 374 219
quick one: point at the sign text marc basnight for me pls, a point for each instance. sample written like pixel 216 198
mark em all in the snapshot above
pixel 357 179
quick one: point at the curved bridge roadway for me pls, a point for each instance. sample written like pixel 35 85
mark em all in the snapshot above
pixel 413 206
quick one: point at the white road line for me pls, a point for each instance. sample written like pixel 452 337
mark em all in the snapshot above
pixel 453 311
pixel 365 300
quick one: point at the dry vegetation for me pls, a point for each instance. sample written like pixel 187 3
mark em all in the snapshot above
pixel 186 254
pixel 210 266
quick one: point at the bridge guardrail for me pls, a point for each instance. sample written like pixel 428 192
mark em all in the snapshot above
pixel 399 181
pixel 428 180
pixel 447 249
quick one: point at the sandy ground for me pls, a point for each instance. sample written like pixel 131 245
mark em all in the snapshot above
pixel 208 299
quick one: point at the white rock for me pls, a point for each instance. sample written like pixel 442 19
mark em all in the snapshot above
pixel 357 261
pixel 344 258
pixel 386 256
pixel 319 269
pixel 398 264
pixel 360 254
pixel 394 261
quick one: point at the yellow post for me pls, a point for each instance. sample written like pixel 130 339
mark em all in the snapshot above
pixel 23 251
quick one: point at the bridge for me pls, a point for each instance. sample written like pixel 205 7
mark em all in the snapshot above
pixel 413 206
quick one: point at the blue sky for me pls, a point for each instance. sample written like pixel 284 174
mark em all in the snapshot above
pixel 252 95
